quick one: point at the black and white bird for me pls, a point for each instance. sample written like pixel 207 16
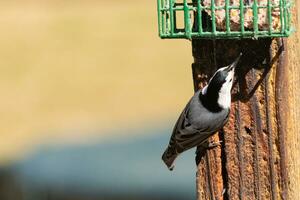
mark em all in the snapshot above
pixel 206 112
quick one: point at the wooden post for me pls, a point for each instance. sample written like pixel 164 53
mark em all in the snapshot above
pixel 293 116
pixel 252 162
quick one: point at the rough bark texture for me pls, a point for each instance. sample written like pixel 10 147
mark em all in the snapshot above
pixel 293 126
pixel 252 162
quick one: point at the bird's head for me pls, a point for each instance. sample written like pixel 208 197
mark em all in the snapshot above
pixel 218 90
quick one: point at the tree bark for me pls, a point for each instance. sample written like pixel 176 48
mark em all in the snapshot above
pixel 259 157
pixel 293 125
pixel 252 161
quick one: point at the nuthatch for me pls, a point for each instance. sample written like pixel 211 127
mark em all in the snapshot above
pixel 206 112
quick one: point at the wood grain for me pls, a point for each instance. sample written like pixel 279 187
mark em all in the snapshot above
pixel 252 162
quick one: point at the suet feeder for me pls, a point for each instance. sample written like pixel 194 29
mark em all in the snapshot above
pixel 224 19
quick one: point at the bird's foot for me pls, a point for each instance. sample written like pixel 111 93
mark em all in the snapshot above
pixel 214 144
pixel 211 145
pixel 201 149
pixel 208 145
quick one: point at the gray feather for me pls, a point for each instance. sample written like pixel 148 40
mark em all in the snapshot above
pixel 193 127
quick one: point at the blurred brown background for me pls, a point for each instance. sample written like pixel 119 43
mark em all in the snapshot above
pixel 69 68
pixel 77 76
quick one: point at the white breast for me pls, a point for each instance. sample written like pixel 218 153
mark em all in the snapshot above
pixel 225 93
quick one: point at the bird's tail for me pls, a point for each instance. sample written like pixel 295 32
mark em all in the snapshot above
pixel 169 157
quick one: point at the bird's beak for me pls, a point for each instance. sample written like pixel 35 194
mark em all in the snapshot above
pixel 234 64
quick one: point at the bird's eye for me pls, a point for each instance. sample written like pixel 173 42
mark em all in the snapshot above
pixel 230 80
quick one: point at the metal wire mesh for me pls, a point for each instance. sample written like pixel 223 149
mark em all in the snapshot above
pixel 224 18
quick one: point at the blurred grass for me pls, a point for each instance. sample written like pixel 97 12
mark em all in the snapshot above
pixel 73 69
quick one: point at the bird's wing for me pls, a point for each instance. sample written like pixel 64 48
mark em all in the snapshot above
pixel 186 135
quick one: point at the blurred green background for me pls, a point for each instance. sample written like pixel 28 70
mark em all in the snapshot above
pixel 83 73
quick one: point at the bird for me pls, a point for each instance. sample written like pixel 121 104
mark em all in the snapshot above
pixel 206 113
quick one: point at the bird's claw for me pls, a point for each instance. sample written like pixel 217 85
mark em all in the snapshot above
pixel 211 145
pixel 208 145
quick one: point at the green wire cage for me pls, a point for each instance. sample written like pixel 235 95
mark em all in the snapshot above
pixel 224 18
